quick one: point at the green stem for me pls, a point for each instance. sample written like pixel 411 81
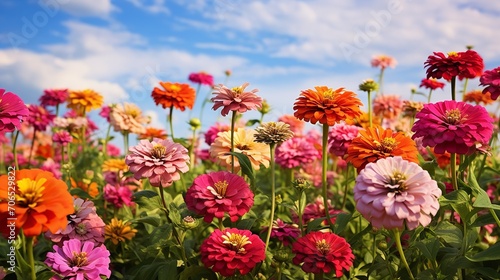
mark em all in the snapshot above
pixel 300 214
pixel 397 239
pixel 429 96
pixel 494 214
pixel 30 257
pixel 453 83
pixel 191 149
pixel 170 122
pixel 453 163
pixel 14 149
pixel 273 197
pixel 324 182
pixel 105 144
pixel 31 148
pixel 233 120
pixel 380 81
pixel 465 88
pixel 125 142
pixel 370 118
pixel 346 187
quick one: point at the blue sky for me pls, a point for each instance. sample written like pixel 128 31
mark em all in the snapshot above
pixel 123 48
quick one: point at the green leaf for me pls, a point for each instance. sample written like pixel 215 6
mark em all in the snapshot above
pixel 151 220
pixel 449 233
pixel 167 271
pixel 197 272
pixel 430 166
pixel 80 193
pixel 252 122
pixel 490 254
pixel 245 224
pixel 482 198
pixel 46 275
pixel 315 224
pixel 144 193
pixel 246 165
pixel 429 248
pixel 341 222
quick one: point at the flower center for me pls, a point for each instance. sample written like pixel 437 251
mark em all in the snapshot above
pixel 132 112
pixel 237 90
pixel 175 88
pixel 219 189
pixel 81 229
pixel 30 192
pixel 387 144
pixel 236 242
pixel 79 259
pixel 452 54
pixel 328 94
pixel 453 116
pixel 397 182
pixel 158 151
pixel 323 246
pixel 242 147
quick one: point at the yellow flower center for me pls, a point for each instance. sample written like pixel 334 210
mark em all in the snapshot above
pixel 237 90
pixel 387 144
pixel 328 94
pixel 236 242
pixel 30 192
pixel 219 189
pixel 452 54
pixel 175 88
pixel 323 246
pixel 453 116
pixel 397 179
pixel 133 112
pixel 158 151
pixel 79 259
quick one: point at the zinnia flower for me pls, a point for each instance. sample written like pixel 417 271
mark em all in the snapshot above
pixel 340 137
pixel 411 108
pixel 174 95
pixel 273 133
pixel 12 111
pixel 388 106
pixel 244 143
pixel 114 165
pixel 83 101
pixel 106 111
pixel 326 106
pixel 79 260
pixel 323 252
pixel 284 232
pixel 53 97
pixel 393 192
pixel 453 126
pixel 212 132
pixel 235 99
pixel 232 251
pixel 295 152
pixel 128 118
pixel 151 133
pixel 159 160
pixel 383 61
pixel 118 195
pixel 201 78
pixel 42 202
pixel 431 84
pixel 39 117
pixel 296 125
pixel 491 80
pixel 468 64
pixel 375 143
pixel 477 96
pixel 62 137
pixel 119 231
pixel 316 210
pixel 214 194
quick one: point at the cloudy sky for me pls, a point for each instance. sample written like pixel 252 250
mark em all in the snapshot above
pixel 123 48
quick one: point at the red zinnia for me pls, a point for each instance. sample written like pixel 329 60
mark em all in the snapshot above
pixel 231 251
pixel 214 194
pixel 53 97
pixel 201 78
pixel 12 111
pixel 431 84
pixel 491 79
pixel 323 252
pixel 468 64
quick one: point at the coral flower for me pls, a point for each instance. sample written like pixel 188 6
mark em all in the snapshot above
pixel 383 61
pixel 244 143
pixel 161 161
pixel 376 143
pixel 232 251
pixel 119 231
pixel 12 111
pixel 79 260
pixel 235 99
pixel 468 64
pixel 477 96
pixel 296 125
pixel 388 106
pixel 326 106
pixel 84 101
pixel 393 192
pixel 295 152
pixel 316 210
pixel 432 84
pixel 151 133
pixel 340 137
pixel 53 97
pixel 174 95
pixel 323 252
pixel 214 194
pixel 39 117
pixel 201 78
pixel 42 202
pixel 491 80
pixel 454 127
pixel 128 118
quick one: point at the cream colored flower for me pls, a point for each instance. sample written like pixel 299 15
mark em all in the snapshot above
pixel 128 118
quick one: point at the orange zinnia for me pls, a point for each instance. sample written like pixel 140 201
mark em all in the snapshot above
pixel 83 101
pixel 90 188
pixel 35 201
pixel 177 95
pixel 151 132
pixel 477 96
pixel 326 106
pixel 376 143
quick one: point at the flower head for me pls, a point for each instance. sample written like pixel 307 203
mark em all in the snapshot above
pixel 393 192
pixel 284 232
pixel 368 85
pixel 383 61
pixel 477 96
pixel 232 251
pixel 375 143
pixel 53 97
pixel 128 118
pixel 296 152
pixel 273 133
pixel 83 101
pixel 176 95
pixel 151 133
pixel 453 126
pixel 340 137
pixel 411 108
pixel 326 106
pixel 431 84
pixel 62 137
pixel 296 125
pixel 12 111
pixel 42 202
pixel 201 78
pixel 217 193
pixel 388 106
pixel 323 252
pixel 39 117
pixel 160 161
pixel 118 195
pixel 235 99
pixel 468 64
pixel 106 111
pixel 119 231
pixel 213 131
pixel 114 165
pixel 79 260
pixel 491 80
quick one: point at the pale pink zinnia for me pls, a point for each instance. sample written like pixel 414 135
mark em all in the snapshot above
pixel 161 161
pixel 235 99
pixel 218 193
pixel 491 80
pixel 39 117
pixel 12 111
pixel 53 97
pixel 340 136
pixel 383 61
pixel 392 192
pixel 201 78
pixel 454 127
pixel 388 106
pixel 296 151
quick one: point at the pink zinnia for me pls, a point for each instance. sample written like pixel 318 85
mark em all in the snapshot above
pixel 53 97
pixel 201 78
pixel 284 232
pixel 53 167
pixel 431 84
pixel 383 61
pixel 316 210
pixel 105 112
pixel 212 132
pixel 232 251
pixel 323 252
pixel 62 137
pixel 12 111
pixel 491 80
pixel 340 136
pixel 113 150
pixel 388 106
pixel 161 161
pixel 454 127
pixel 296 151
pixel 296 125
pixel 392 192
pixel 217 193
pixel 118 195
pixel 79 260
pixel 39 117
pixel 235 99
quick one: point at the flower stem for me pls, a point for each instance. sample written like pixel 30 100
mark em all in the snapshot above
pixel 170 122
pixel 465 88
pixel 323 173
pixel 346 182
pixel 31 148
pixel 14 149
pixel 273 197
pixel 300 214
pixel 125 142
pixel 397 239
pixel 370 117
pixel 429 96
pixel 453 163
pixel 105 144
pixel 30 257
pixel 380 81
pixel 233 120
pixel 453 83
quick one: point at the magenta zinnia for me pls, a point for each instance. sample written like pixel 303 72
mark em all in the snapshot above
pixel 454 127
pixel 340 137
pixel 217 193
pixel 392 192
pixel 232 251
pixel 491 80
pixel 323 252
pixel 468 64
pixel 12 111
pixel 53 97
pixel 39 117
pixel 235 99
pixel 201 78
pixel 161 161
pixel 295 152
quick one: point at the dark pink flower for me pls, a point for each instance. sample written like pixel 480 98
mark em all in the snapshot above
pixel 53 97
pixel 53 167
pixel 316 210
pixel 491 80
pixel 113 150
pixel 235 99
pixel 431 84
pixel 79 260
pixel 323 252
pixel 296 151
pixel 160 160
pixel 468 64
pixel 454 127
pixel 217 193
pixel 201 78
pixel 212 132
pixel 232 251
pixel 118 195
pixel 39 117
pixel 62 137
pixel 340 136
pixel 284 232
pixel 105 112
pixel 12 111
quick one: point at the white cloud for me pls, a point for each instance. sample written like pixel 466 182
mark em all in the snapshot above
pixel 95 8
pixel 156 7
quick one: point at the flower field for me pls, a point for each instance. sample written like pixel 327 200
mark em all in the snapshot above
pixel 403 190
